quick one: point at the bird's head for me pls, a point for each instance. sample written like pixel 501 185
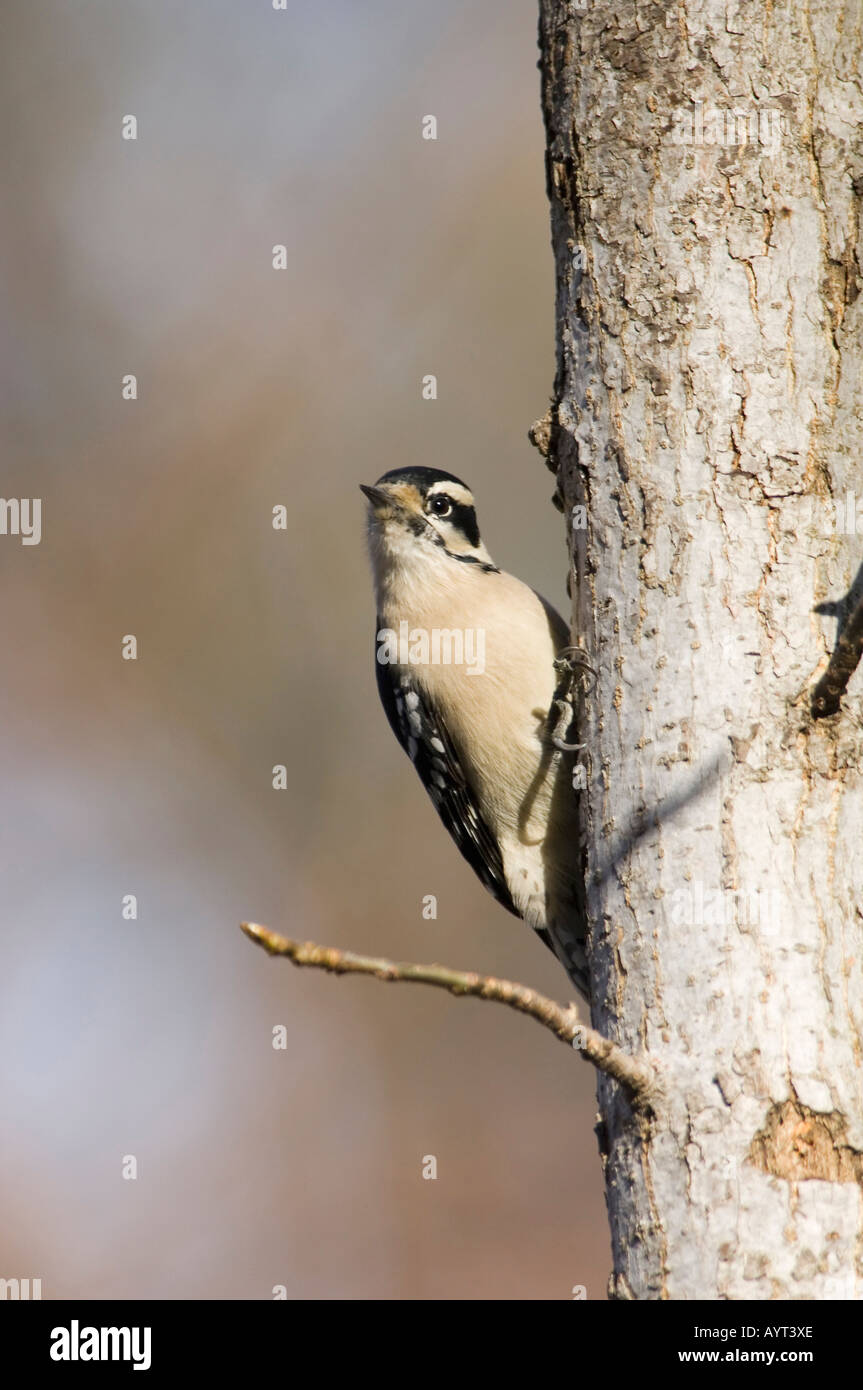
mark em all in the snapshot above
pixel 423 516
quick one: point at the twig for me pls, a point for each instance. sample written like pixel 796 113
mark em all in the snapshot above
pixel 843 663
pixel 634 1073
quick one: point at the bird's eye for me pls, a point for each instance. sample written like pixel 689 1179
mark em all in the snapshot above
pixel 441 505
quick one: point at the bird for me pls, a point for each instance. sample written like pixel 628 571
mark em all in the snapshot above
pixel 465 662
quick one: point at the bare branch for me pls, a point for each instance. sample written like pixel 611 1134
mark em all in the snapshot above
pixel 635 1073
pixel 841 667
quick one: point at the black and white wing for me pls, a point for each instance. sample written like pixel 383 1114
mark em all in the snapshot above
pixel 423 736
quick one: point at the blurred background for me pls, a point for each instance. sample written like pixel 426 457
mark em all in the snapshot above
pixel 153 1037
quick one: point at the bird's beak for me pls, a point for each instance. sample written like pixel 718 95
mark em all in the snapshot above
pixel 376 495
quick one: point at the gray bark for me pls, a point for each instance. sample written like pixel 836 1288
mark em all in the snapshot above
pixel 708 418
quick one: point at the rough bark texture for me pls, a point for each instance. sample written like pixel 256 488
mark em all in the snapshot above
pixel 708 416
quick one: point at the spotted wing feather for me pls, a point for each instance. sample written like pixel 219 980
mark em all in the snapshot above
pixel 423 736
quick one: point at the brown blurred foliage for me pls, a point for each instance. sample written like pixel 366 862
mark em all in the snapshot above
pixel 153 1037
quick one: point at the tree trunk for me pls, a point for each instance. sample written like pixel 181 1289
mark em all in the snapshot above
pixel 706 431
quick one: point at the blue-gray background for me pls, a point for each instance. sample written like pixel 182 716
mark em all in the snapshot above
pixel 259 1167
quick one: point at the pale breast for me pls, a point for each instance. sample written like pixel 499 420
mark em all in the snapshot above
pixel 494 701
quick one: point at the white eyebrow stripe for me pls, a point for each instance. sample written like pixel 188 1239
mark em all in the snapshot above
pixel 453 490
